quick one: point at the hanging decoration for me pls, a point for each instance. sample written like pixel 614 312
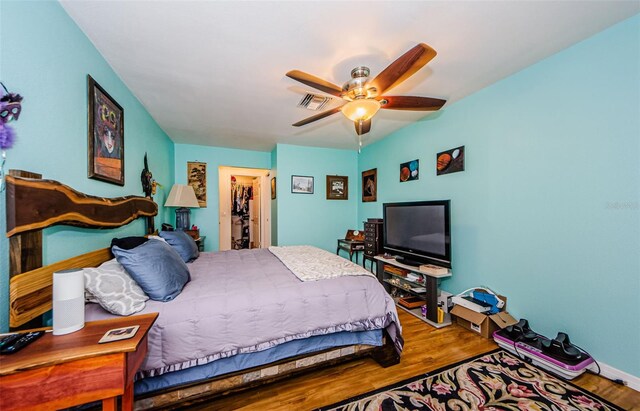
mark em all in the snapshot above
pixel 149 188
pixel 10 108
pixel 149 184
pixel 147 179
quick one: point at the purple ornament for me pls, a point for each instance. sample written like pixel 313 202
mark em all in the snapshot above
pixel 7 136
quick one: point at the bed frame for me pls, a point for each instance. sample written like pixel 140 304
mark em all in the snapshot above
pixel 34 204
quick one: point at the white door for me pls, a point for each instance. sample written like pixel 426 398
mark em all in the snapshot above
pixel 224 206
pixel 265 211
pixel 255 216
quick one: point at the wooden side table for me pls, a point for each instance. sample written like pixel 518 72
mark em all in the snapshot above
pixel 351 246
pixel 66 370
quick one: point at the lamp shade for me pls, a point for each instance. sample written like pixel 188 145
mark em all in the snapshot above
pixel 361 109
pixel 182 195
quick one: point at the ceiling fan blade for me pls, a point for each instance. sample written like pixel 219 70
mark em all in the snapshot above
pixel 362 127
pixel 317 117
pixel 411 103
pixel 403 68
pixel 315 82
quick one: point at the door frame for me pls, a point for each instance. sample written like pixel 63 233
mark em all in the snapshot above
pixel 224 206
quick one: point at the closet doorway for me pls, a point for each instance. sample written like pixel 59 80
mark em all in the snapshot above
pixel 245 208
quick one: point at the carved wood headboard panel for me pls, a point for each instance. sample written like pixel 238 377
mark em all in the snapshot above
pixel 34 204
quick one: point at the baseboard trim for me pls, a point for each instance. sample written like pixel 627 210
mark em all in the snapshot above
pixel 612 373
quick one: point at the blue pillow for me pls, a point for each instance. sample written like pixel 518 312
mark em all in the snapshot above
pixel 183 244
pixel 156 267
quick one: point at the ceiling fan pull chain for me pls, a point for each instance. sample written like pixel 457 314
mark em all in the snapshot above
pixel 359 144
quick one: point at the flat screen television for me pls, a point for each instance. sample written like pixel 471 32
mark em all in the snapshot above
pixel 418 232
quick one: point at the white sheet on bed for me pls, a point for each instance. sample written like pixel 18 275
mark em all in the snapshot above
pixel 312 264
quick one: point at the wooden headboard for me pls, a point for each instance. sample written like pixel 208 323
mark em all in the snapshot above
pixel 34 204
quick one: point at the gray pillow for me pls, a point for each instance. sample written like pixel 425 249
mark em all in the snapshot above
pixel 110 286
pixel 183 243
pixel 156 267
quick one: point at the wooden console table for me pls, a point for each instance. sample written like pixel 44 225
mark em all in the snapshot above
pixel 431 285
pixel 66 370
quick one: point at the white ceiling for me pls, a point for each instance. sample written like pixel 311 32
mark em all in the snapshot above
pixel 213 72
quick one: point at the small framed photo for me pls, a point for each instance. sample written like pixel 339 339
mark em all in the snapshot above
pixel 273 188
pixel 105 135
pixel 370 185
pixel 118 334
pixel 302 184
pixel 337 187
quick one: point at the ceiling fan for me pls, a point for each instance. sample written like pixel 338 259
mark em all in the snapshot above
pixel 364 97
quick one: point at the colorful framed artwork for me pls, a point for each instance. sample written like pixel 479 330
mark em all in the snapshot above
pixel 450 161
pixel 337 187
pixel 273 188
pixel 105 135
pixel 370 185
pixel 302 184
pixel 409 171
pixel 197 178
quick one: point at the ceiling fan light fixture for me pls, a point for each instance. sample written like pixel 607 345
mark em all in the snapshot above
pixel 361 109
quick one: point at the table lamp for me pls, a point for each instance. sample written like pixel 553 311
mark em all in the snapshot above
pixel 183 197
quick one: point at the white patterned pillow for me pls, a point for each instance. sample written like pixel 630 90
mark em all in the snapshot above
pixel 113 288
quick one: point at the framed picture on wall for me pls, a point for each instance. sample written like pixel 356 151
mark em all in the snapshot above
pixel 370 185
pixel 302 184
pixel 197 178
pixel 450 161
pixel 273 188
pixel 337 187
pixel 409 171
pixel 105 135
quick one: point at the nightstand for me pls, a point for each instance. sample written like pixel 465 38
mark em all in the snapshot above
pixel 66 370
pixel 200 242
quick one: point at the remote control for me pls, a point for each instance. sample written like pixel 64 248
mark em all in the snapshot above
pixel 9 339
pixel 20 343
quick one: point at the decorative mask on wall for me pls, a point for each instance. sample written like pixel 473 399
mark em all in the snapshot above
pixel 10 108
pixel 149 185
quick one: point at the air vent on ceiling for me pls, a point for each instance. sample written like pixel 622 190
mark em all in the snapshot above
pixel 313 102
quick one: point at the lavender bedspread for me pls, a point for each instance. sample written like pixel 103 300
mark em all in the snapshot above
pixel 247 300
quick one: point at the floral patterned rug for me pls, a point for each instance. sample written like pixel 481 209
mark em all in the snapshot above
pixel 492 381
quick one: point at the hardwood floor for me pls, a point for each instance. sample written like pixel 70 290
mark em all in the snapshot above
pixel 426 349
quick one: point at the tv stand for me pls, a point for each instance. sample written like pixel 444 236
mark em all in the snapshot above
pixel 431 285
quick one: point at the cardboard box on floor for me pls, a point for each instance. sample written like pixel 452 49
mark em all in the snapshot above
pixel 481 323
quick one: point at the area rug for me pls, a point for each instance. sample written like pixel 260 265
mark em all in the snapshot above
pixel 492 381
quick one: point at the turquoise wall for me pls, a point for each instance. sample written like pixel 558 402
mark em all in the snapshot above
pixel 311 218
pixel 296 218
pixel 207 218
pixel 547 210
pixel 46 58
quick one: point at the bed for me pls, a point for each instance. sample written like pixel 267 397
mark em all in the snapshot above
pixel 245 318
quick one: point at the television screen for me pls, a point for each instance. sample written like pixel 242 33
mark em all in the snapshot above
pixel 418 231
